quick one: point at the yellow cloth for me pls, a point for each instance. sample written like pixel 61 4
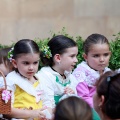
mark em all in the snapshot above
pixel 24 100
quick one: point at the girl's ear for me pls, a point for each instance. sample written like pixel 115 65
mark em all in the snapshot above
pixel 57 58
pixel 85 57
pixel 14 63
pixel 102 99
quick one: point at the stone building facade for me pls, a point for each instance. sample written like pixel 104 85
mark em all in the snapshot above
pixel 36 18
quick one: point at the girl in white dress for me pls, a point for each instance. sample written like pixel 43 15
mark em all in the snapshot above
pixel 59 58
pixel 29 98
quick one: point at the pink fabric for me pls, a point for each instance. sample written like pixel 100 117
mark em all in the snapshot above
pixel 86 92
pixel 86 78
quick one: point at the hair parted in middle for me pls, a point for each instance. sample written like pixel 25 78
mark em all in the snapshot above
pixel 92 40
pixel 25 46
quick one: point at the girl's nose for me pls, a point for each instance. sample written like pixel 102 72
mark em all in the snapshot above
pixel 101 59
pixel 31 67
pixel 76 60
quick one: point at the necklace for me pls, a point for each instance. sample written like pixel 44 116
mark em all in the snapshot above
pixel 59 73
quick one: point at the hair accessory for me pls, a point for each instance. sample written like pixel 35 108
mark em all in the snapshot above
pixel 46 51
pixel 108 79
pixel 10 54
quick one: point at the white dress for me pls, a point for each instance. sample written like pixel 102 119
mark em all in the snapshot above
pixel 39 92
pixel 14 78
pixel 56 83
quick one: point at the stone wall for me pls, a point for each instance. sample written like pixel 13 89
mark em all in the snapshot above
pixel 36 18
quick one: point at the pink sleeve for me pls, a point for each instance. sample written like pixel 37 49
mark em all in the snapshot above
pixel 85 93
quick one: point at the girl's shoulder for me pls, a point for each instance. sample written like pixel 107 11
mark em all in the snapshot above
pixel 44 70
pixel 12 74
pixel 45 74
pixel 83 66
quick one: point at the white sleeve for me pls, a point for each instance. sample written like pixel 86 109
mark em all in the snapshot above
pixel 11 87
pixel 74 83
pixel 48 98
pixel 2 84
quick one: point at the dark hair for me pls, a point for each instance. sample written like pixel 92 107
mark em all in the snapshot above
pixel 94 39
pixel 73 108
pixel 57 45
pixel 4 59
pixel 109 86
pixel 25 46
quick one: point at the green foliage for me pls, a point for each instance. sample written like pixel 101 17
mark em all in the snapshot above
pixel 79 42
pixel 41 42
pixel 114 46
pixel 62 32
pixel 3 46
pixel 115 49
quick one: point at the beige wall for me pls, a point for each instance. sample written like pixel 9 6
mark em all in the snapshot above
pixel 36 18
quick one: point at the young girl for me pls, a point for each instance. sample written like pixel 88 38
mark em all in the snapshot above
pixel 5 65
pixel 107 96
pixel 59 57
pixel 28 94
pixel 96 54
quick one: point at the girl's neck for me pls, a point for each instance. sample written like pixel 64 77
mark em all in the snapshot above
pixel 104 116
pixel 31 80
pixel 58 71
pixel 100 72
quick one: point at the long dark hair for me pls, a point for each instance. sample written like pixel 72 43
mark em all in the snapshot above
pixel 109 86
pixel 57 45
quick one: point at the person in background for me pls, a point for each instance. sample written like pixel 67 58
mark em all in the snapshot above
pixel 96 54
pixel 73 108
pixel 29 99
pixel 5 65
pixel 107 97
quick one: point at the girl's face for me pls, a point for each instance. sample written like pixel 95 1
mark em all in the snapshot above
pixel 68 59
pixel 98 56
pixel 27 64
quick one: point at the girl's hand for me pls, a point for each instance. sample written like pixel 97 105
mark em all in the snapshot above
pixel 68 90
pixel 38 114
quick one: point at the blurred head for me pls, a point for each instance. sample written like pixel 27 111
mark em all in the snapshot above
pixel 73 108
pixel 97 51
pixel 5 65
pixel 107 97
pixel 64 51
pixel 26 57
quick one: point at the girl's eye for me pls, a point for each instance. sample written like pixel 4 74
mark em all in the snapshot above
pixel 73 56
pixel 95 56
pixel 36 62
pixel 106 54
pixel 26 63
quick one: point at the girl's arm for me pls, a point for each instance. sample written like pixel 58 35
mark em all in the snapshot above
pixel 21 113
pixel 85 93
pixel 47 100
